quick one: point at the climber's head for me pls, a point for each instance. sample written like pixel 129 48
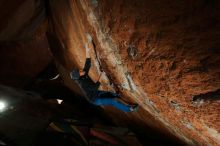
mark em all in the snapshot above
pixel 75 74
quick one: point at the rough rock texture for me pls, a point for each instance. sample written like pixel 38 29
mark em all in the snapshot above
pixel 163 55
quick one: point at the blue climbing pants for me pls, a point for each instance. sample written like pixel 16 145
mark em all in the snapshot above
pixel 111 102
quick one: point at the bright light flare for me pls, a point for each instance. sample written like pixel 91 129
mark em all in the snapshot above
pixel 2 105
pixel 59 101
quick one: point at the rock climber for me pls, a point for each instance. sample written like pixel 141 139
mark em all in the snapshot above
pixel 93 94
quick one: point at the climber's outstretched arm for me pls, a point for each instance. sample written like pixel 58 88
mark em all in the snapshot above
pixel 87 65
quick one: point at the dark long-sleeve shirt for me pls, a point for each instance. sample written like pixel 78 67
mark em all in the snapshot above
pixel 89 87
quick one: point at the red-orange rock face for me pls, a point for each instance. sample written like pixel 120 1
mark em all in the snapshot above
pixel 163 55
pixel 171 51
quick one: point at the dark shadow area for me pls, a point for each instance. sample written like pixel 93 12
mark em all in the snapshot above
pixel 211 96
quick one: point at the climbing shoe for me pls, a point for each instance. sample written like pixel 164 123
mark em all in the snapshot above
pixel 134 108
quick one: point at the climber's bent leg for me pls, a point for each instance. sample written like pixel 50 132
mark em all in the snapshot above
pixel 112 102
